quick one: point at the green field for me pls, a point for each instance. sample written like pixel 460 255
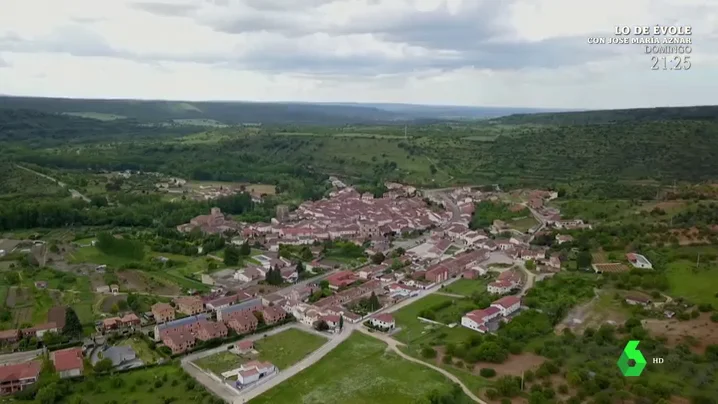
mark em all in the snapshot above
pixel 220 362
pixel 700 286
pixel 161 384
pixel 288 347
pixel 415 331
pixel 358 371
pixel 523 225
pixel 94 256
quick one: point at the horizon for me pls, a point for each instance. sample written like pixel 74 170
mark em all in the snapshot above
pixel 480 53
pixel 361 103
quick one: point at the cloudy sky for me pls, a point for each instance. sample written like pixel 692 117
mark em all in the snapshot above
pixel 522 53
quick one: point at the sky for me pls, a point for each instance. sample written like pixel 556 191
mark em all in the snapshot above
pixel 508 53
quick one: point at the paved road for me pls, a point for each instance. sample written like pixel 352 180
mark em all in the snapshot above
pixel 394 346
pixel 19 357
pixel 75 193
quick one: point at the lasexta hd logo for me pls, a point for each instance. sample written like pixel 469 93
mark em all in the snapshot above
pixel 631 353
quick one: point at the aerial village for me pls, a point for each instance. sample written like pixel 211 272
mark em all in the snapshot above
pixel 415 242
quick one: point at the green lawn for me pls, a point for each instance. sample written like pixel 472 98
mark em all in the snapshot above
pixel 358 371
pixel 698 287
pixel 466 287
pixel 288 347
pixel 523 225
pixel 160 384
pixel 220 362
pixel 143 351
pixel 415 331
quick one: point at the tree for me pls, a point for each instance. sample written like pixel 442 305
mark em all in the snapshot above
pixel 73 327
pixel 583 260
pixel 231 255
pixel 428 352
pixel 487 372
pixel 530 265
pixel 104 365
pixel 115 309
pixel 374 303
pixel 341 322
pixel 300 268
pixel 378 258
pixel 245 250
pixel 321 325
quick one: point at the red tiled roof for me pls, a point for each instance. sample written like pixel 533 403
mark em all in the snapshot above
pixel 479 315
pixel 385 317
pixel 246 344
pixel 507 301
pixel 20 371
pixel 67 359
pixel 331 318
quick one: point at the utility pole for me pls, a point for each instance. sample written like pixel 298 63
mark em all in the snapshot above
pixel 698 261
pixel 522 380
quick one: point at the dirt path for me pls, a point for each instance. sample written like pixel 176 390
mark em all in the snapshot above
pixel 75 193
pixel 394 346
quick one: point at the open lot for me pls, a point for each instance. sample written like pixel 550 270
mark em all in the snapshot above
pixel 466 287
pixel 109 301
pixel 139 281
pixel 412 330
pixel 524 224
pixel 288 347
pixel 358 371
pixel 699 332
pixel 221 362
pixel 698 286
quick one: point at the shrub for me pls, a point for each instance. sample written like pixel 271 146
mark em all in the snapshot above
pixel 487 372
pixel 428 352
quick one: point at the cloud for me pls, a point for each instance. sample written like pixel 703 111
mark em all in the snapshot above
pixel 450 51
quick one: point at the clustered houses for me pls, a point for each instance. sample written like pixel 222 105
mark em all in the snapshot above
pixel 127 322
pixel 214 223
pixel 454 266
pixel 163 312
pixel 332 307
pixel 506 282
pixel 485 320
pixel 189 305
pixel 182 334
pixel 350 215
pixel 55 323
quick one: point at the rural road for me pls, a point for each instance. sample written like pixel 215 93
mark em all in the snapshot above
pixel 75 193
pixel 19 357
pixel 394 346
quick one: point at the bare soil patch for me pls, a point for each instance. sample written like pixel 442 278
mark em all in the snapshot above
pixel 261 289
pixel 514 365
pixel 701 331
pixel 611 267
pixel 18 297
pixel 689 236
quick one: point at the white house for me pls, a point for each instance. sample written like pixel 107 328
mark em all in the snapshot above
pixel 639 261
pixel 507 305
pixel 477 319
pixel 250 372
pixel 384 320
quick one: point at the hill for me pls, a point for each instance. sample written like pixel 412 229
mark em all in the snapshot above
pixel 224 112
pixel 701 113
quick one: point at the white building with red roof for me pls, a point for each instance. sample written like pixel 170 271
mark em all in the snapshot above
pixel 507 305
pixel 68 362
pixel 484 320
pixel 384 320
